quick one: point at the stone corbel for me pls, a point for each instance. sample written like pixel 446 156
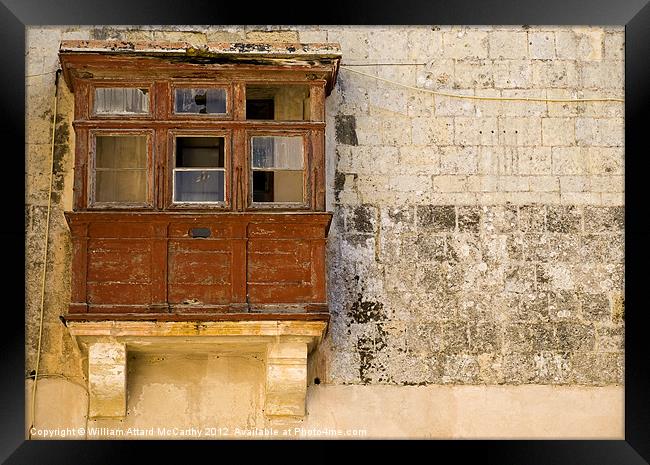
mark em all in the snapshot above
pixel 285 345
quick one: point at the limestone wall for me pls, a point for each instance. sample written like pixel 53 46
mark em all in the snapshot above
pixel 474 241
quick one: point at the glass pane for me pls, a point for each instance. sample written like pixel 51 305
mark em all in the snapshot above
pixel 281 103
pixel 283 152
pixel 121 100
pixel 200 152
pixel 277 186
pixel 121 186
pixel 118 152
pixel 200 101
pixel 198 186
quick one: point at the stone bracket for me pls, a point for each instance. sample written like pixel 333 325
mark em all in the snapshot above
pixel 286 379
pixel 285 344
pixel 107 379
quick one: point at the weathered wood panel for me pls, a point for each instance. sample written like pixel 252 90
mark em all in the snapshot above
pixel 119 260
pixel 148 263
pixel 109 292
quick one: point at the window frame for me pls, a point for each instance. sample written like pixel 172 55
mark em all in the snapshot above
pixel 306 204
pixel 172 134
pixel 106 83
pixel 162 125
pixel 200 84
pixel 91 171
pixel 269 83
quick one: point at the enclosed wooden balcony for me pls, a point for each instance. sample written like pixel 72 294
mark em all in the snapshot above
pixel 198 219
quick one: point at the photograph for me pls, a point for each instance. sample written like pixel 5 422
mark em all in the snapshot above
pixel 322 231
pixel 326 232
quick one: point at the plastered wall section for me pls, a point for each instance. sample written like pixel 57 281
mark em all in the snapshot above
pixel 474 242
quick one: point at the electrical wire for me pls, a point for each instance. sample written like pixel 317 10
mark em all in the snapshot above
pixel 478 97
pixel 47 235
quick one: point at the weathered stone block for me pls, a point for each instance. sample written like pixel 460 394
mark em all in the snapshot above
pixel 362 219
pixel 450 183
pixel 419 159
pixel 532 218
pixel 527 337
pixel 615 46
pixel 436 131
pixel 107 380
pixel 589 44
pixel 604 219
pixel 458 160
pixel 608 132
pixel 570 160
pixel 563 219
pixel 476 131
pixel 520 278
pixel 346 130
pixel 598 368
pixel 464 44
pixel 566 45
pixel 473 74
pixel 611 338
pixel 555 74
pixel 563 305
pixel 424 44
pixel 520 131
pixel 462 369
pixel 544 183
pixel 484 338
pixel 574 183
pixel 552 367
pixel 286 379
pixel 499 219
pixel 541 45
pixel 272 36
pixel 443 277
pixel 436 218
pixel 608 184
pixel 595 307
pixel 572 336
pixel 431 248
pixel 398 219
pixel 508 44
pixel 603 75
pixel 469 219
pixel 510 74
pixel 464 248
pixel 558 131
pixel 513 183
pixel 450 106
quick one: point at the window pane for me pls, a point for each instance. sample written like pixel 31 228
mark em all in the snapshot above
pixel 277 186
pixel 121 186
pixel 281 103
pixel 121 100
pixel 284 152
pixel 121 168
pixel 119 152
pixel 200 101
pixel 198 186
pixel 200 152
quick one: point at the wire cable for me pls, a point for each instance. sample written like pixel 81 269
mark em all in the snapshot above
pixel 478 97
pixel 47 235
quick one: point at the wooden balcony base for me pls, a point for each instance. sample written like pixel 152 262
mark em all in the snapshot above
pixel 284 344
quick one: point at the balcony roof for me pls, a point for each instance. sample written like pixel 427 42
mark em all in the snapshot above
pixel 115 58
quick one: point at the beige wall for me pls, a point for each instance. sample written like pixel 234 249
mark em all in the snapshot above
pixel 212 398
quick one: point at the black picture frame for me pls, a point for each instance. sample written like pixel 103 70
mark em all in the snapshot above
pixel 15 15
